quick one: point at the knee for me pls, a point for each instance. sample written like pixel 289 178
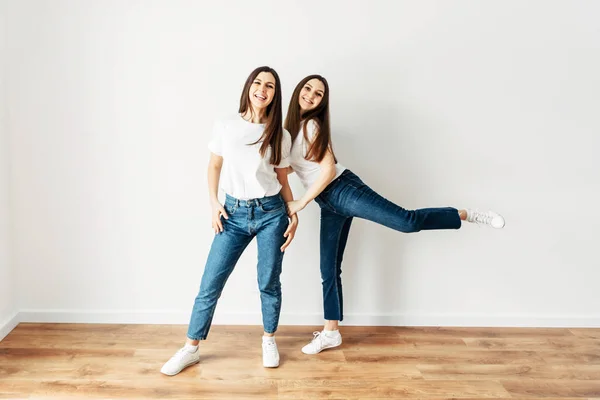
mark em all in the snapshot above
pixel 270 288
pixel 207 296
pixel 329 279
pixel 411 224
pixel 411 227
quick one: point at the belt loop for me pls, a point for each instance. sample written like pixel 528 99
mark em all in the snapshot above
pixel 237 202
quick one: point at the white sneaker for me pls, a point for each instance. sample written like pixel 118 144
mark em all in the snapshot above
pixel 322 341
pixel 270 353
pixel 182 359
pixel 490 218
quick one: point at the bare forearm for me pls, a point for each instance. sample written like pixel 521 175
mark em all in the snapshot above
pixel 286 190
pixel 325 177
pixel 214 174
pixel 213 183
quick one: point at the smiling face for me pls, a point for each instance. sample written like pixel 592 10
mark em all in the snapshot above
pixel 262 91
pixel 311 95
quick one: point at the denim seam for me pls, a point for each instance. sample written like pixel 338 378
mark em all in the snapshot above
pixel 212 315
pixel 272 211
pixel 329 204
pixel 337 289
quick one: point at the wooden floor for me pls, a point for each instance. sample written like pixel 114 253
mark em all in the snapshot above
pixel 66 361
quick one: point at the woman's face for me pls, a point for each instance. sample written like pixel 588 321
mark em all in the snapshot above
pixel 262 90
pixel 311 95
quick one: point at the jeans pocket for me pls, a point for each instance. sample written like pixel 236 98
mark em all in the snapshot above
pixel 354 181
pixel 273 206
pixel 324 203
pixel 230 209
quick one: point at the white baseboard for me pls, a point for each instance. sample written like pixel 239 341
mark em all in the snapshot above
pixel 8 325
pixel 407 319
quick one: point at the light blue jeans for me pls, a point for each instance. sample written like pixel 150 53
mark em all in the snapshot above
pixel 266 219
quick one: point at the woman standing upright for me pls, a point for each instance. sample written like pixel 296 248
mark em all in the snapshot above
pixel 249 158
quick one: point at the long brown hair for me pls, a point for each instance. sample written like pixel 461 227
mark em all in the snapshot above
pixel 273 133
pixel 321 142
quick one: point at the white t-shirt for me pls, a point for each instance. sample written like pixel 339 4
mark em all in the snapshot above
pixel 308 171
pixel 245 174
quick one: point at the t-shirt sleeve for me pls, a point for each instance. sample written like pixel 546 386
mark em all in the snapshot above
pixel 216 142
pixel 286 150
pixel 311 129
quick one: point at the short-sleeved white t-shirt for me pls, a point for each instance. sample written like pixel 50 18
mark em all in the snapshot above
pixel 308 171
pixel 245 174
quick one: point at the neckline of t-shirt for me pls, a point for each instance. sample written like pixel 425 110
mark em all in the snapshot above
pixel 248 122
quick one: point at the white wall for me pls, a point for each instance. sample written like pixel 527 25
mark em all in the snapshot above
pixel 8 318
pixel 434 103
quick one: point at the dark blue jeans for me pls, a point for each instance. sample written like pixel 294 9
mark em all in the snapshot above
pixel 266 219
pixel 348 197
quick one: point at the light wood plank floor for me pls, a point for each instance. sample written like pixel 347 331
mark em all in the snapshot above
pixel 66 361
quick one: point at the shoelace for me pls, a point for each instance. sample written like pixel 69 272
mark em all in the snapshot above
pixel 317 338
pixel 482 217
pixel 271 348
pixel 179 354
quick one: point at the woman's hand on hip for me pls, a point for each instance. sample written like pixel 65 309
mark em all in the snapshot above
pixel 295 206
pixel 218 211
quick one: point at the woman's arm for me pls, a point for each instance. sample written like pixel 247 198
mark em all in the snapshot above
pixel 286 193
pixel 327 174
pixel 214 174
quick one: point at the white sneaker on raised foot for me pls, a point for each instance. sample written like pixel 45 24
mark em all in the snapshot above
pixel 184 357
pixel 490 218
pixel 322 341
pixel 270 352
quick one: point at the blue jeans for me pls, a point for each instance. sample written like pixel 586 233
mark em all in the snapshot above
pixel 265 218
pixel 348 197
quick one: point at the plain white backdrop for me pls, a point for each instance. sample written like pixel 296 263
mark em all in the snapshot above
pixel 8 310
pixel 107 108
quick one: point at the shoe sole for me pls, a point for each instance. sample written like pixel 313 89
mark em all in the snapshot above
pixel 270 366
pixel 182 368
pixel 324 348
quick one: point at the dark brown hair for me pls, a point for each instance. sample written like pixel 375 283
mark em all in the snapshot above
pixel 273 133
pixel 321 142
